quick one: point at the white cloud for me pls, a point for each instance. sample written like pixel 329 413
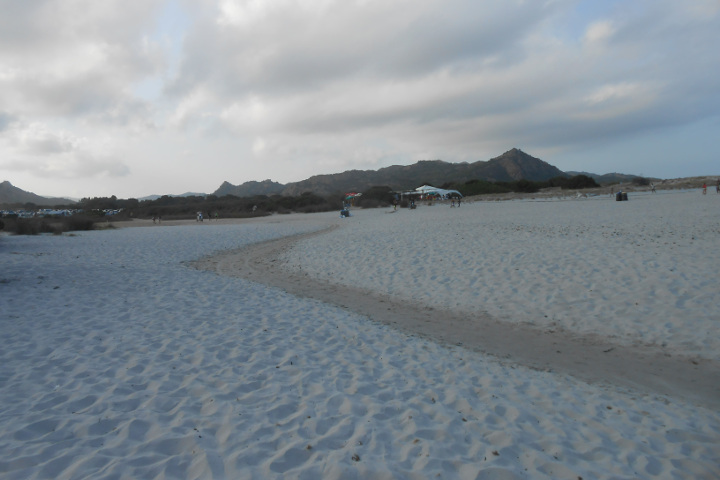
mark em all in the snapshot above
pixel 82 165
pixel 243 12
pixel 37 140
pixel 599 32
pixel 621 94
pixel 71 165
pixel 46 152
pixel 258 145
pixel 74 57
pixel 193 108
pixel 251 114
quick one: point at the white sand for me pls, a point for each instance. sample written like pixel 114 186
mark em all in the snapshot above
pixel 118 360
pixel 642 271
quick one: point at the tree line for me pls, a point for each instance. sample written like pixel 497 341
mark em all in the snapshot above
pixel 229 206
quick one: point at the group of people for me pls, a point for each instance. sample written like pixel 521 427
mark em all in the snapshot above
pixel 411 204
pixel 704 187
pixel 200 216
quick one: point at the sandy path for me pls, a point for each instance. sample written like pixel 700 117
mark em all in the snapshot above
pixel 592 359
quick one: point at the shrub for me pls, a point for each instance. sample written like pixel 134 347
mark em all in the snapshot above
pixel 372 203
pixel 526 186
pixel 382 194
pixel 25 227
pixel 314 208
pixel 54 225
pixel 577 182
pixel 76 223
pixel 480 187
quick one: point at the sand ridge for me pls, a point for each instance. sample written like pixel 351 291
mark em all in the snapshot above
pixel 591 358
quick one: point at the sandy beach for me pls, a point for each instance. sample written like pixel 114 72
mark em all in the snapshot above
pixel 309 346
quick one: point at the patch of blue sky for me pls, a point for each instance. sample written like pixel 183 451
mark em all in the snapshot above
pixel 574 21
pixel 665 152
pixel 149 89
pixel 171 27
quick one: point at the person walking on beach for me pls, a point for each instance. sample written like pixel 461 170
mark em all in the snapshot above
pixel 704 188
pixel 717 186
pixel 652 186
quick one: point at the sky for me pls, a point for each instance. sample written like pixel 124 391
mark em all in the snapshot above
pixel 133 98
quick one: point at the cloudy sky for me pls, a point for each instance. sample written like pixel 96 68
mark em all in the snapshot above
pixel 131 98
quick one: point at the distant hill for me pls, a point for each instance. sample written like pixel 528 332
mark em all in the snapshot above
pixel 186 194
pixel 11 195
pixel 608 178
pixel 511 165
pixel 250 189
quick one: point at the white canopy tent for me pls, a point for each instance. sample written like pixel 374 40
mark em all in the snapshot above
pixel 429 190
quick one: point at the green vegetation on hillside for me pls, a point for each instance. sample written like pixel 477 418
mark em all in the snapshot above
pixel 483 187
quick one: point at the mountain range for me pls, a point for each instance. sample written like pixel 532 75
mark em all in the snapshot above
pixel 186 194
pixel 10 194
pixel 608 178
pixel 511 165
